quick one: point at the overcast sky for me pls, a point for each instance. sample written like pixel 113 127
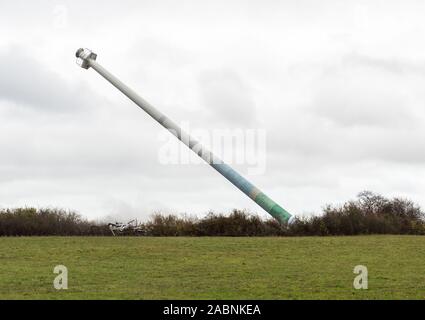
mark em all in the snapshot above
pixel 337 86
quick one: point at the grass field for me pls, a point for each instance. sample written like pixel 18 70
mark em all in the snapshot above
pixel 213 268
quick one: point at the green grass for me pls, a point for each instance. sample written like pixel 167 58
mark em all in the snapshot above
pixel 213 268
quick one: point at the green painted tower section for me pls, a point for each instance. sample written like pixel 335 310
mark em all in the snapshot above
pixel 270 206
pixel 275 210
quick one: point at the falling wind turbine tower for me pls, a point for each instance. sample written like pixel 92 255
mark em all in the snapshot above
pixel 87 59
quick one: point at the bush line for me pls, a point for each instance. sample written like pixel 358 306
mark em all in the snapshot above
pixel 370 213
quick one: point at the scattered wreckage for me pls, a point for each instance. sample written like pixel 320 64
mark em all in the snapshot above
pixel 127 229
